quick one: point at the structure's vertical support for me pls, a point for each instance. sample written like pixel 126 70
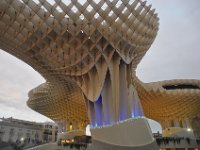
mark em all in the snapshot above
pixel 187 122
pixel 114 76
pixel 80 125
pixel 124 101
pixel 184 123
pixel 166 124
pixel 107 101
pixel 180 123
pixel 94 83
pixel 69 126
pixel 65 126
pixel 171 122
pixel 53 135
pixel 131 95
pixel 163 124
pixel 75 125
pixel 99 112
pixel 91 111
pixel 176 123
pixel 137 107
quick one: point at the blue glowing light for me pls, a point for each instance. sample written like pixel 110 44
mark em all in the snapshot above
pixel 98 110
pixel 133 115
pixel 119 118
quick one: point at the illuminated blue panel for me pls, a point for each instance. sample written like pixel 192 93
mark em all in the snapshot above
pixel 123 111
pixel 135 107
pixel 133 115
pixel 106 94
pixel 98 110
pixel 137 110
pixel 122 115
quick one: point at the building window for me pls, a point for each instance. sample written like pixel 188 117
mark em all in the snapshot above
pixel 12 131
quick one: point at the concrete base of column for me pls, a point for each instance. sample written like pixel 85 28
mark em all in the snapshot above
pixel 131 134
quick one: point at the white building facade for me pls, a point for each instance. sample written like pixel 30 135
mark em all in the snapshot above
pixel 18 131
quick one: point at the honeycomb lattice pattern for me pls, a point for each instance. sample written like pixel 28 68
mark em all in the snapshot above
pixel 77 39
pixel 53 101
pixel 175 107
pixel 71 43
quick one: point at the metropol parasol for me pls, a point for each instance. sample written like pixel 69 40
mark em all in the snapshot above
pixel 88 52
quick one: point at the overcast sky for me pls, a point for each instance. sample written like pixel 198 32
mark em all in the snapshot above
pixel 174 55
